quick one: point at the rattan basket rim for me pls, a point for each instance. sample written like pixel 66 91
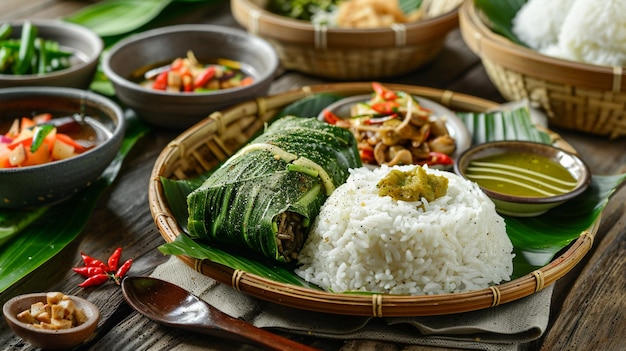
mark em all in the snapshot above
pixel 260 21
pixel 498 49
pixel 377 305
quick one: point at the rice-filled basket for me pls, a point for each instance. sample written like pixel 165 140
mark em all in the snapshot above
pixel 213 140
pixel 577 96
pixel 347 53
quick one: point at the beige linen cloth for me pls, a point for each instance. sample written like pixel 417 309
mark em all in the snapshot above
pixel 506 327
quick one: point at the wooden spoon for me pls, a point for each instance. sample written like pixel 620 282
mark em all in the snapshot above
pixel 171 305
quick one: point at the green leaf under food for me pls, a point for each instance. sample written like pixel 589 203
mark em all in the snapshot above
pixel 177 191
pixel 500 15
pixel 536 240
pixel 41 234
pixel 183 245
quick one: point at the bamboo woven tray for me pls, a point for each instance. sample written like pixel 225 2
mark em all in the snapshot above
pixel 214 139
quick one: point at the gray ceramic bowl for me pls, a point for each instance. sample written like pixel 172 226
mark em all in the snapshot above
pixel 50 339
pixel 527 206
pixel 163 45
pixel 53 182
pixel 84 43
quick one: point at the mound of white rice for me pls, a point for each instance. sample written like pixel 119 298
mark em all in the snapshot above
pixel 361 241
pixel 538 23
pixel 588 31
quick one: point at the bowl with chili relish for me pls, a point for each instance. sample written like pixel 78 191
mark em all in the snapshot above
pixel 54 142
pixel 524 179
pixel 177 75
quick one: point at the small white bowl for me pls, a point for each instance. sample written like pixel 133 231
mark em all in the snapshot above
pixel 456 128
pixel 50 339
pixel 526 206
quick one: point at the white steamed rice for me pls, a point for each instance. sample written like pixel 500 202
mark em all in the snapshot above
pixel 588 31
pixel 361 241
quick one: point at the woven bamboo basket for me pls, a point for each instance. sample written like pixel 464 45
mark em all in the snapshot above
pixel 576 96
pixel 214 139
pixel 346 54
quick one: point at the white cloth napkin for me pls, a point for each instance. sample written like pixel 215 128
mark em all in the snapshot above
pixel 506 327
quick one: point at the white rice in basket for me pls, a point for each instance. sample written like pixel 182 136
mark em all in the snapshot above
pixel 361 241
pixel 588 31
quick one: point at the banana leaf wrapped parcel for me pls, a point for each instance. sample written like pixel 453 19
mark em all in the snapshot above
pixel 266 196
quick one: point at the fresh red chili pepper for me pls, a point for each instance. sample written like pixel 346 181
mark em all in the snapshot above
pixel 88 271
pixel 367 155
pixel 383 92
pixel 204 77
pixel 121 272
pixel 114 259
pixel 93 262
pixel 330 117
pixel 160 83
pixel 386 107
pixel 438 158
pixel 94 280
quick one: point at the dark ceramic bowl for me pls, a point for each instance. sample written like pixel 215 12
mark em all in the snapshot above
pixel 163 45
pixel 50 339
pixel 46 184
pixel 527 206
pixel 84 43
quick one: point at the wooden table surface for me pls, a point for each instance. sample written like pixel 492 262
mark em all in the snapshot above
pixel 588 309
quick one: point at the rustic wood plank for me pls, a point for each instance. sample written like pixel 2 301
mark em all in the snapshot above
pixel 585 322
pixel 588 306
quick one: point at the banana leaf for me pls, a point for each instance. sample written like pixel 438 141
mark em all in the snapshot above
pixel 266 196
pixel 35 237
pixel 111 18
pixel 536 240
pixel 12 222
pixel 500 14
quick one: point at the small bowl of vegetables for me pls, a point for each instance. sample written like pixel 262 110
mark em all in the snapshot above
pixel 47 53
pixel 54 142
pixel 522 178
pixel 175 76
pixel 52 320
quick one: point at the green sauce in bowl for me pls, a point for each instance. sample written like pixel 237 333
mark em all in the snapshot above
pixel 521 174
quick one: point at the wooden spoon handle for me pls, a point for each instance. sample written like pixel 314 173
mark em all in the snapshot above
pixel 243 330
